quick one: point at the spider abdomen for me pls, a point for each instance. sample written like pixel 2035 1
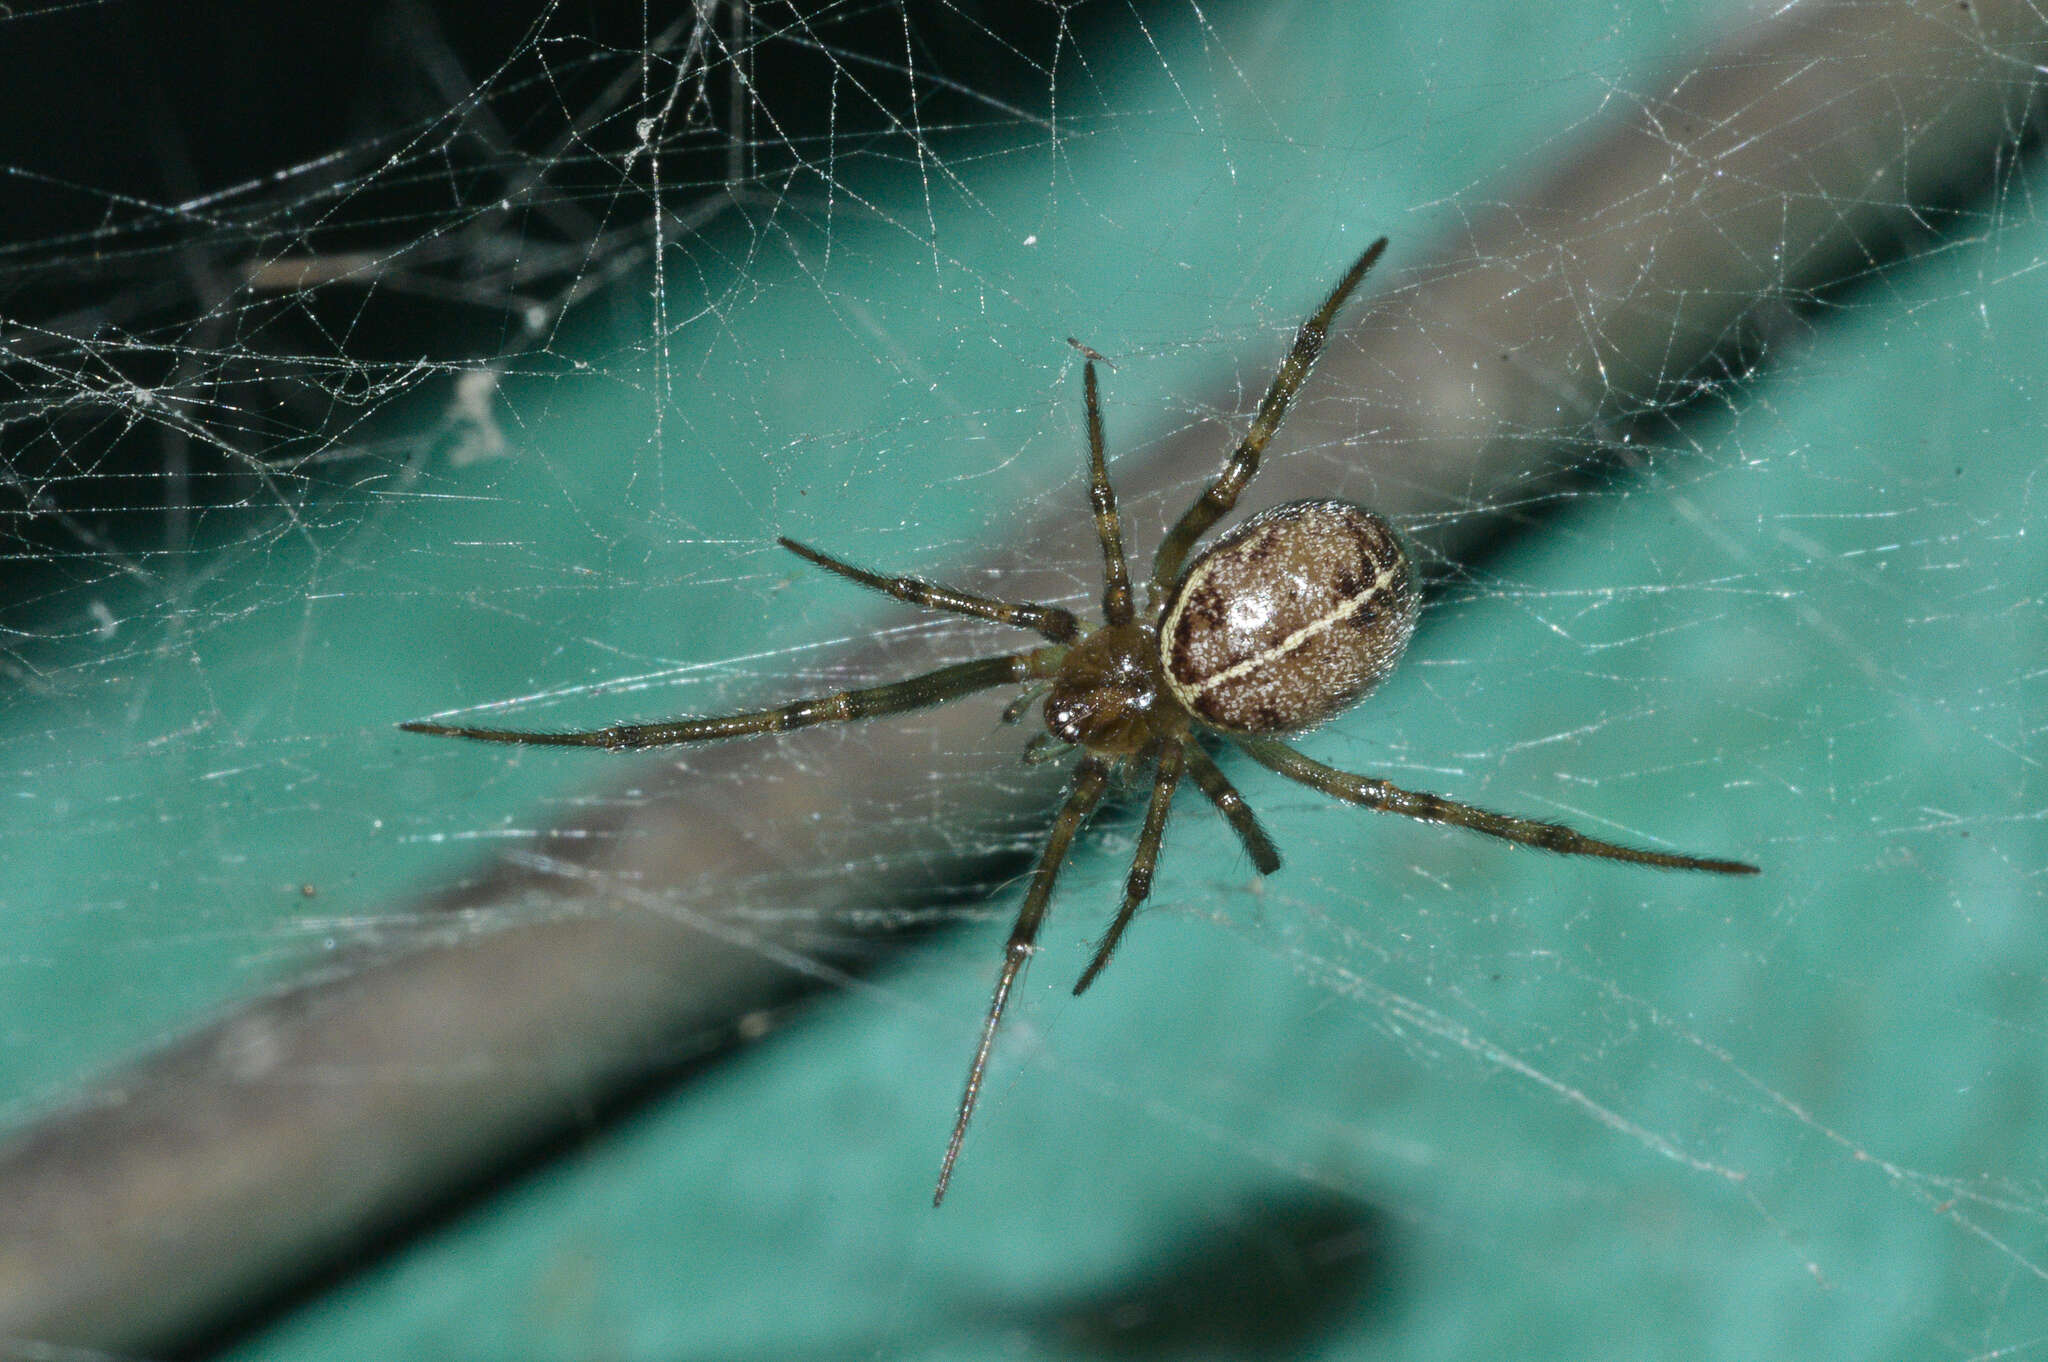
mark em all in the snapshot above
pixel 1289 619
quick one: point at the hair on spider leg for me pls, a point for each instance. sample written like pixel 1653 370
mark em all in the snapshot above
pixel 1283 622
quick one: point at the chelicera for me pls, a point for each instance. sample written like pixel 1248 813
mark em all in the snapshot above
pixel 1282 623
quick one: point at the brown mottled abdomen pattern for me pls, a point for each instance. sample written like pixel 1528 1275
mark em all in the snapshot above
pixel 1288 619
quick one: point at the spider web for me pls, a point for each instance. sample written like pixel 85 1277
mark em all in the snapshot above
pixel 426 407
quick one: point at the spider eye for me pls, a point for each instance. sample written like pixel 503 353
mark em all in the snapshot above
pixel 1289 619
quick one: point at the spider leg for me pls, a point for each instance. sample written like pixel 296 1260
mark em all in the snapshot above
pixel 1213 504
pixel 1139 886
pixel 1014 711
pixel 1050 620
pixel 1091 776
pixel 1378 794
pixel 1116 574
pixel 1044 747
pixel 919 692
pixel 1235 811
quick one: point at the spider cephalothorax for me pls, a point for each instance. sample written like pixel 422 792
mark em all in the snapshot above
pixel 1109 695
pixel 1280 624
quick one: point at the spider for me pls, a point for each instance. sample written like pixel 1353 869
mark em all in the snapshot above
pixel 1282 623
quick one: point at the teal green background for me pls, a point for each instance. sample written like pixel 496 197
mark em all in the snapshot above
pixel 1602 1113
